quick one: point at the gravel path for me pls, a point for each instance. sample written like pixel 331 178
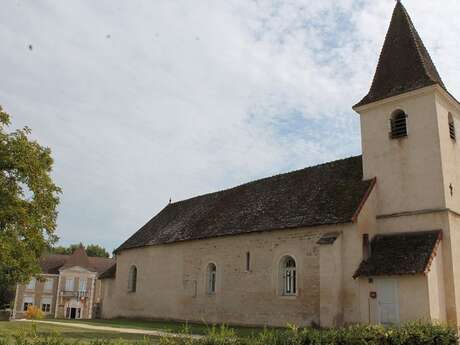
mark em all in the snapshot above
pixel 115 329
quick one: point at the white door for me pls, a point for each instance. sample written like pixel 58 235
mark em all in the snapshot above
pixel 388 301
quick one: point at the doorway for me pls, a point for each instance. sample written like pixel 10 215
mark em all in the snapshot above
pixel 388 301
pixel 73 313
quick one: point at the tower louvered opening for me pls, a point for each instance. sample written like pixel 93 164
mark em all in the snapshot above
pixel 398 124
pixel 452 127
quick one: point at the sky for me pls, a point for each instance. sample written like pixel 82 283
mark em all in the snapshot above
pixel 143 101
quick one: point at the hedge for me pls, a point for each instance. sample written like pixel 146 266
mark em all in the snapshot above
pixel 408 334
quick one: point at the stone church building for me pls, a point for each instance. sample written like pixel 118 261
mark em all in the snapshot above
pixel 371 239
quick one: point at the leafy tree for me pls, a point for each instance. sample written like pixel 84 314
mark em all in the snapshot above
pixel 91 250
pixel 28 203
pixel 97 250
pixel 6 296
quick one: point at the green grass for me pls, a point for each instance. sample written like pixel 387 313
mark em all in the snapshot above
pixel 165 326
pixel 10 328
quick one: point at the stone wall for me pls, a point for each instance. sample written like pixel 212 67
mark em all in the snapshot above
pixel 172 279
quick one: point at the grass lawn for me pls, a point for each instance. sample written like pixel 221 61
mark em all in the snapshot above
pixel 69 333
pixel 166 326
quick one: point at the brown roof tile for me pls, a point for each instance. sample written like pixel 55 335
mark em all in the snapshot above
pixel 110 272
pixel 51 264
pixel 325 194
pixel 400 254
pixel 404 64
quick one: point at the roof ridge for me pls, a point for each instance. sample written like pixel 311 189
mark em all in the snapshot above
pixel 262 179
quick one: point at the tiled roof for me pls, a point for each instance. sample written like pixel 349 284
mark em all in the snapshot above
pixel 77 258
pixel 51 264
pixel 330 193
pixel 404 63
pixel 399 254
pixel 110 272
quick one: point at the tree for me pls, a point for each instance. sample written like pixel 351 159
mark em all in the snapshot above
pixel 6 296
pixel 28 204
pixel 91 250
pixel 97 250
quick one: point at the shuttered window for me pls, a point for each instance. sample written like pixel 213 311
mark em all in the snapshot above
pixel 398 125
pixel 452 133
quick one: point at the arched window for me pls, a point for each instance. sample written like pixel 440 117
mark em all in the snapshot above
pixel 452 127
pixel 211 275
pixel 132 279
pixel 288 276
pixel 398 124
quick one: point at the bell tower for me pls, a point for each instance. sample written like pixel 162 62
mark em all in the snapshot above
pixel 408 122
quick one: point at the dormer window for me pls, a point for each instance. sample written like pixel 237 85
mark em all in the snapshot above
pixel 452 127
pixel 398 124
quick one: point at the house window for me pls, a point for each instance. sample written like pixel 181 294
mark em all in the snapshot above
pixel 288 276
pixel 69 284
pixel 48 284
pixel 452 127
pixel 82 287
pixel 398 124
pixel 46 305
pixel 27 301
pixel 132 279
pixel 211 278
pixel 31 285
pixel 248 261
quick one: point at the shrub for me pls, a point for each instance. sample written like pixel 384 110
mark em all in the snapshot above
pixel 409 334
pixel 34 312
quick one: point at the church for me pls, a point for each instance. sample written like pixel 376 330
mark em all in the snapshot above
pixel 368 239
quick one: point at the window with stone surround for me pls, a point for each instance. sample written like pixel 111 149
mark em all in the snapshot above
pixel 398 124
pixel 288 276
pixel 46 304
pixel 26 302
pixel 69 283
pixel 83 283
pixel 211 275
pixel 31 284
pixel 48 284
pixel 132 279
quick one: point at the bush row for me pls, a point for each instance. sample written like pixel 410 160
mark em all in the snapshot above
pixel 408 334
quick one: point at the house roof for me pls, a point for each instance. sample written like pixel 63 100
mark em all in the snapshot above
pixel 77 258
pixel 51 264
pixel 404 64
pixel 400 254
pixel 110 272
pixel 330 193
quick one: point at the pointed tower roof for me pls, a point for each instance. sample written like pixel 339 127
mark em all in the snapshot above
pixel 404 63
pixel 78 258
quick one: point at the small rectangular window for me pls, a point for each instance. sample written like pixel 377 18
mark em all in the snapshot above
pixel 248 261
pixel 31 285
pixel 48 284
pixel 46 304
pixel 452 130
pixel 27 301
pixel 366 247
pixel 398 127
pixel 82 285
pixel 69 284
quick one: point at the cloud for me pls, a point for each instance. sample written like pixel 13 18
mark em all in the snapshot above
pixel 141 101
